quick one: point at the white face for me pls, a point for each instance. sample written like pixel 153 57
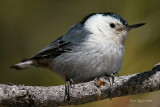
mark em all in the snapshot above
pixel 107 27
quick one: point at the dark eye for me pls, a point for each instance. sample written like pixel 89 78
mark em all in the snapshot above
pixel 112 25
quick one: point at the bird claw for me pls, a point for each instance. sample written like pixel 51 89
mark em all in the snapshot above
pixel 67 87
pixel 112 76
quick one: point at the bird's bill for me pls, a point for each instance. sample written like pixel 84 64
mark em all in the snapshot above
pixel 134 26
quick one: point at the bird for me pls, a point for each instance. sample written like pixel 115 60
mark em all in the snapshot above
pixel 91 48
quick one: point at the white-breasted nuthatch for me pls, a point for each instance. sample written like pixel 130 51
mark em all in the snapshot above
pixel 91 48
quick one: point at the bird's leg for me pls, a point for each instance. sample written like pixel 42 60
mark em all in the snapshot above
pixel 112 77
pixel 111 81
pixel 67 86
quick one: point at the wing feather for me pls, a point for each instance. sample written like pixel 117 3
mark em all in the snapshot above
pixel 75 36
pixel 54 49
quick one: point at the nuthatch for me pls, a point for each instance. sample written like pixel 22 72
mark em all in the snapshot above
pixel 91 48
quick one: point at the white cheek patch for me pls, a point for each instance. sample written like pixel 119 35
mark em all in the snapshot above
pixel 101 30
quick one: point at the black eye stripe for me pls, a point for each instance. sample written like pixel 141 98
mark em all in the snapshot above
pixel 112 25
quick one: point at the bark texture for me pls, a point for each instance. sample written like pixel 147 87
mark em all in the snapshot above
pixel 98 89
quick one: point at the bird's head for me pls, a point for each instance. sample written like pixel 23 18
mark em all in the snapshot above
pixel 108 25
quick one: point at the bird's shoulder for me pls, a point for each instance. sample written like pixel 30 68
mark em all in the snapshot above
pixel 75 35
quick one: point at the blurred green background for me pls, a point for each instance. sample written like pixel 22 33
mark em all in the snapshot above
pixel 26 26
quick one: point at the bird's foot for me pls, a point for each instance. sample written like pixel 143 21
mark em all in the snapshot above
pixel 111 81
pixel 67 89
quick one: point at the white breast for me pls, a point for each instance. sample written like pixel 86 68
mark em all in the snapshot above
pixel 90 60
pixel 106 56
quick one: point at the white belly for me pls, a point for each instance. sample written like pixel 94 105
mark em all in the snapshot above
pixel 88 63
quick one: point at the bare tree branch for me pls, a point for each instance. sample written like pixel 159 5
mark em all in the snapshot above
pixel 20 95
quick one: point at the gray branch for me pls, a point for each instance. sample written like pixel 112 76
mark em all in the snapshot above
pixel 98 89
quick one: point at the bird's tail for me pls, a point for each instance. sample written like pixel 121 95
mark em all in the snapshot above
pixel 24 64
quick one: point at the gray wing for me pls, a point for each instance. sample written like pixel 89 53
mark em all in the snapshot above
pixel 54 49
pixel 66 43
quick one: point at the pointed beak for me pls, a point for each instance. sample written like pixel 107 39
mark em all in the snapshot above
pixel 128 27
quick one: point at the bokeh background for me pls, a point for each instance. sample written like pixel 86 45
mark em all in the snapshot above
pixel 26 26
